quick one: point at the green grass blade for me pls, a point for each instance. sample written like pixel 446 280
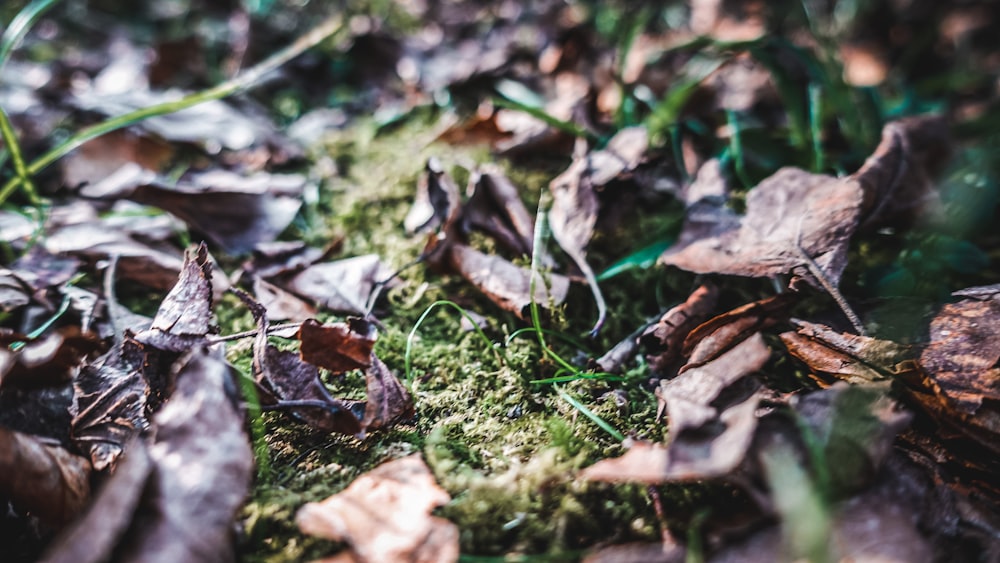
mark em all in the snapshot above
pixel 14 150
pixel 20 26
pixel 407 355
pixel 539 113
pixel 243 81
pixel 603 424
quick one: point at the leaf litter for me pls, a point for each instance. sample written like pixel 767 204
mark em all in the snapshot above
pixel 833 444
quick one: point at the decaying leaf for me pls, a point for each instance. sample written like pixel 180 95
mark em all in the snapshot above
pixel 235 211
pixel 292 381
pixel 175 498
pixel 663 340
pixel 961 363
pixel 507 285
pixel 722 332
pixel 791 216
pixel 437 201
pixel 707 439
pixel 896 178
pixel 575 204
pixel 385 515
pixel 281 304
pixel 115 395
pixel 343 285
pixel 42 479
pixel 847 357
pixel 496 209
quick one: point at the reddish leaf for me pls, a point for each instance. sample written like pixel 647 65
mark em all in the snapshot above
pixel 343 285
pixel 664 339
pixel 855 359
pixel 387 399
pixel 338 347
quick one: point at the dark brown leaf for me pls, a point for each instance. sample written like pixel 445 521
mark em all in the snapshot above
pixel 789 213
pixel 281 304
pixel 385 515
pixel 42 479
pixel 201 470
pixel 496 209
pixel 961 363
pixel 437 202
pixel 338 347
pixel 185 315
pixel 387 399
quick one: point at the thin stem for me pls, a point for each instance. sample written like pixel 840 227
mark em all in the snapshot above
pixel 603 424
pixel 407 356
pixel 19 27
pixel 14 150
pixel 252 332
pixel 816 125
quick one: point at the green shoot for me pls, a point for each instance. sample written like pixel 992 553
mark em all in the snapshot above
pixel 407 356
pixel 20 26
pixel 243 81
pixel 816 125
pixel 736 147
pixel 590 414
pixel 541 114
pixel 258 430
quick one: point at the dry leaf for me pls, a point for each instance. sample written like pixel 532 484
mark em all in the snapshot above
pixel 437 201
pixel 185 314
pixel 854 359
pixel 789 213
pixel 387 400
pixel 575 204
pixel 338 347
pixel 664 339
pixel 281 304
pixel 235 211
pixel 42 479
pixel 507 285
pixel 896 178
pixel 385 515
pixel 344 285
pixel 496 209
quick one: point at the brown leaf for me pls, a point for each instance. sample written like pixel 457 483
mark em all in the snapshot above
pixel 720 333
pixel 281 304
pixel 201 468
pixel 961 362
pixel 110 403
pixel 235 211
pixel 789 213
pixel 507 285
pixel 437 201
pixel 664 339
pixel 338 347
pixel 896 178
pixel 185 315
pixel 575 204
pixel 387 399
pixel 42 479
pixel 848 357
pixel 496 209
pixel 343 286
pixel 385 515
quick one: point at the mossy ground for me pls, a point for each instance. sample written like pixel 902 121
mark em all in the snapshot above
pixel 506 449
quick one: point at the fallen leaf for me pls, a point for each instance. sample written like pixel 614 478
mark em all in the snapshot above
pixel 199 473
pixel 720 333
pixel 790 215
pixel 960 363
pixel 344 285
pixel 848 357
pixel 338 347
pixel 385 515
pixel 437 201
pixel 496 209
pixel 575 205
pixel 507 285
pixel 663 340
pixel 42 479
pixel 235 211
pixel 387 401
pixel 281 304
pixel 896 178
pixel 185 314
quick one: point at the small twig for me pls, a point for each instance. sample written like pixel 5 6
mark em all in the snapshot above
pixel 306 403
pixel 817 272
pixel 252 332
pixel 114 318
